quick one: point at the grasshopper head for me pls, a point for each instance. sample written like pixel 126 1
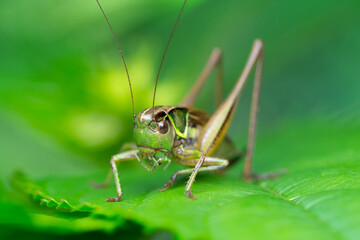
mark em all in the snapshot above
pixel 154 136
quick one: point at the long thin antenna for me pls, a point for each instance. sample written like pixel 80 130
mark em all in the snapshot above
pixel 122 56
pixel 162 59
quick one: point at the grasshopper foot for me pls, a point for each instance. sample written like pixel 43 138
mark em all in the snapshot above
pixel 190 195
pixel 167 185
pixel 115 199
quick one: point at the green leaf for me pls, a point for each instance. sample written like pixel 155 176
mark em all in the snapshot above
pixel 318 202
pixel 11 213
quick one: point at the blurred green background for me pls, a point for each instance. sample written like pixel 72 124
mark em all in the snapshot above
pixel 65 106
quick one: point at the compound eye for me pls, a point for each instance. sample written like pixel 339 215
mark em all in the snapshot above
pixel 163 127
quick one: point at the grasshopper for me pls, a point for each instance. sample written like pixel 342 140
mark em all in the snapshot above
pixel 188 136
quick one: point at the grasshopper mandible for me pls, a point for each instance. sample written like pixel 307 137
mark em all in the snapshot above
pixel 191 137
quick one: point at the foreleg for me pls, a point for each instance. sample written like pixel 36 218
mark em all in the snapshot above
pixel 209 164
pixel 125 156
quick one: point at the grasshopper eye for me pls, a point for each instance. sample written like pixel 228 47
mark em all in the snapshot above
pixel 163 127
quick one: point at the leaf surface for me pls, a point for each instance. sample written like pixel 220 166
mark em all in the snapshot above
pixel 317 202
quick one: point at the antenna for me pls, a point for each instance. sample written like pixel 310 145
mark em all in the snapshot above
pixel 162 59
pixel 122 56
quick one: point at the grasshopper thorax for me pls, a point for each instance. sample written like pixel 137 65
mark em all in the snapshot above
pixel 156 131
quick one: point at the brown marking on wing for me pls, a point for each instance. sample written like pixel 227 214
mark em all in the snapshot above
pixel 198 117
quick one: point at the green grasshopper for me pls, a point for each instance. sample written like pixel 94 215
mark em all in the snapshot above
pixel 191 137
